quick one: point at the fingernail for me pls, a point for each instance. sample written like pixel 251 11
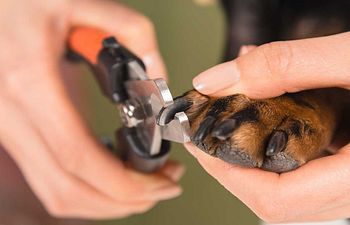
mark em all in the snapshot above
pixel 243 50
pixel 168 193
pixel 149 58
pixel 175 173
pixel 277 143
pixel 179 173
pixel 217 78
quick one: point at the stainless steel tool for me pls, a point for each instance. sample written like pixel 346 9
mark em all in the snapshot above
pixel 142 102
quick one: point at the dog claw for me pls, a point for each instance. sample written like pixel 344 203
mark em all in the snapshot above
pixel 277 143
pixel 168 113
pixel 204 129
pixel 225 129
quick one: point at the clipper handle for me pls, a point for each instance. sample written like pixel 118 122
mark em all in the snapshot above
pixel 136 156
pixel 108 61
pixel 87 42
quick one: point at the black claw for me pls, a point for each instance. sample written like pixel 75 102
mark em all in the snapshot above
pixel 277 143
pixel 204 129
pixel 225 129
pixel 168 113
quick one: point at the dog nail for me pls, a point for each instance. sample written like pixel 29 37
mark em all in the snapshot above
pixel 168 113
pixel 204 129
pixel 277 143
pixel 225 129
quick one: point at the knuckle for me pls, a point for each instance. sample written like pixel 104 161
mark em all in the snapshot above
pixel 58 202
pixel 75 157
pixel 277 57
pixel 72 163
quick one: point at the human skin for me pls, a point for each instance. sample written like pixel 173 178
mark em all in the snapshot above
pixel 70 172
pixel 317 191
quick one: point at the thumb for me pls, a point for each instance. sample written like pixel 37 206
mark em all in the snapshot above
pixel 276 68
pixel 132 29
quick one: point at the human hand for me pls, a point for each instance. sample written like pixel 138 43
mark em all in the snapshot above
pixel 276 68
pixel 316 191
pixel 66 167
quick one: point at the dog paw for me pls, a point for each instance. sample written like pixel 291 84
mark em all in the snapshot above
pixel 278 134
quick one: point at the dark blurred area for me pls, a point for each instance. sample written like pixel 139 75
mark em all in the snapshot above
pixel 18 206
pixel 256 22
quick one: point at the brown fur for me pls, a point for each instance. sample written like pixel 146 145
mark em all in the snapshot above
pixel 309 119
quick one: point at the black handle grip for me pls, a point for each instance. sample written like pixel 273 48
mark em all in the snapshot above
pixel 135 154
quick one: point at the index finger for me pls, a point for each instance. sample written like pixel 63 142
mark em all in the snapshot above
pixel 133 30
pixel 281 67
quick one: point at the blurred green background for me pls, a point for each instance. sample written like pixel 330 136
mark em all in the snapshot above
pixel 191 39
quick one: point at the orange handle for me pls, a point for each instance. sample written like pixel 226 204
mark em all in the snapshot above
pixel 87 42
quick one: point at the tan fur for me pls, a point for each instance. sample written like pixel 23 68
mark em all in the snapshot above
pixel 316 113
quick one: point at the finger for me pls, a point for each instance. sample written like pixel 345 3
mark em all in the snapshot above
pixel 102 170
pixel 62 194
pixel 237 180
pixel 279 67
pixel 316 187
pixel 245 49
pixel 76 149
pixel 321 181
pixel 153 186
pixel 132 29
pixel 173 170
